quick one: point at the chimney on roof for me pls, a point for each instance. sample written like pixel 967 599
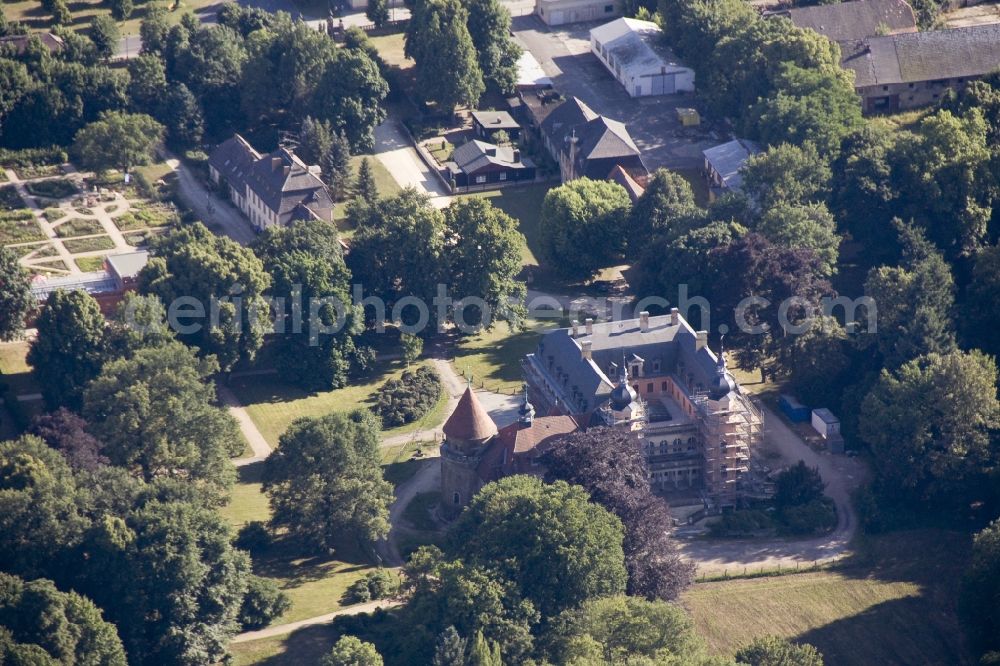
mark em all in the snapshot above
pixel 701 340
pixel 589 323
pixel 643 321
pixel 275 163
pixel 675 316
pixel 576 328
pixel 586 348
pixel 316 170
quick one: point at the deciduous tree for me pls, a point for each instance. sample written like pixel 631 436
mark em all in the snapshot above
pixel 40 507
pixel 930 421
pixel 438 40
pixel 69 349
pixel 306 265
pixel 556 546
pixel 482 248
pixel 117 141
pixel 808 226
pixel 65 626
pixel 489 26
pixel 613 471
pixel 156 415
pixel 980 589
pixel 227 281
pixel 16 300
pixel 352 651
pixel 67 433
pixel 582 225
pixel 324 481
pixel 666 209
pixel 104 33
pixel 620 630
pixel 774 651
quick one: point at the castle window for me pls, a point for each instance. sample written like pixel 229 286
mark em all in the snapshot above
pixel 649 387
pixel 456 498
pixel 663 386
pixel 656 366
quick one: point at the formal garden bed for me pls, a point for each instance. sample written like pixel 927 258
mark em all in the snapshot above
pixel 146 215
pixel 19 226
pixel 90 264
pixel 139 238
pixel 9 198
pixel 78 227
pixel 49 268
pixel 33 162
pixel 39 251
pixel 59 188
pixel 91 244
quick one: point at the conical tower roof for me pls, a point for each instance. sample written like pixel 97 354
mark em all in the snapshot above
pixel 469 422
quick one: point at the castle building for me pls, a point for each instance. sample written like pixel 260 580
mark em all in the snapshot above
pixel 475 451
pixel 657 377
pixel 654 376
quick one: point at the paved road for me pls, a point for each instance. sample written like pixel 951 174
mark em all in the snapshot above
pixel 841 474
pixel 212 210
pixel 399 156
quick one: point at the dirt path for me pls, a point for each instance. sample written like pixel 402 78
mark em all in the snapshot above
pixel 282 629
pixel 841 474
pixel 261 449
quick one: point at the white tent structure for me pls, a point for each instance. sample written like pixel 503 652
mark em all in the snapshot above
pixel 633 52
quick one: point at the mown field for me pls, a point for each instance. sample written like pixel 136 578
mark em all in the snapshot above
pixel 894 604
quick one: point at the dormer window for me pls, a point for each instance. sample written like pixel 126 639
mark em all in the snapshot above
pixel 656 367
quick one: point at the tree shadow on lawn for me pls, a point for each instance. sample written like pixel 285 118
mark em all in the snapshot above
pixel 291 561
pixel 913 630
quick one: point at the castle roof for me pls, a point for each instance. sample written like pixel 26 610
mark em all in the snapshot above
pixel 469 422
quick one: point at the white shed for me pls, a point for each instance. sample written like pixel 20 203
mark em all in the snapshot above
pixel 634 53
pixel 825 423
pixel 561 12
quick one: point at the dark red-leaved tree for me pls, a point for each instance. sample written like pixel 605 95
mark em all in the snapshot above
pixel 67 433
pixel 608 463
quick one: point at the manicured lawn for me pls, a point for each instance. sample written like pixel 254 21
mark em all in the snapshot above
pixel 401 462
pixel 305 646
pixel 273 405
pixel 31 13
pixel 90 264
pixel 492 359
pixel 52 189
pixel 524 204
pixel 384 183
pixel 79 226
pixel 862 614
pixel 92 244
pixel 14 369
pixel 19 226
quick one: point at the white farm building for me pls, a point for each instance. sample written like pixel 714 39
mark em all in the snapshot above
pixel 633 52
pixel 561 12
